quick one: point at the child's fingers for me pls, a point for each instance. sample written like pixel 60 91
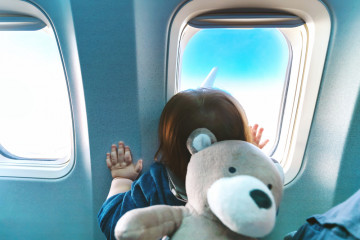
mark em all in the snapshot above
pixel 256 134
pixel 121 152
pixel 262 145
pixel 113 154
pixel 139 166
pixel 127 156
pixel 108 162
pixel 259 134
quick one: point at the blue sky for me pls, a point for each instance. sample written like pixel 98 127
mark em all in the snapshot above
pixel 240 55
pixel 251 65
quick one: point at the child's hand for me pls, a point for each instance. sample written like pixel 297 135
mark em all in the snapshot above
pixel 119 161
pixel 256 136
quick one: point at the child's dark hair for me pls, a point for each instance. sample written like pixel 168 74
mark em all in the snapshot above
pixel 201 108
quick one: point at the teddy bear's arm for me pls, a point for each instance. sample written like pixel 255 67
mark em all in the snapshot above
pixel 150 223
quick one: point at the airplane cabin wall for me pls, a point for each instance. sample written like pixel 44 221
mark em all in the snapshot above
pixel 122 48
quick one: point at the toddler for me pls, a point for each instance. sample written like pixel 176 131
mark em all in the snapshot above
pixel 164 183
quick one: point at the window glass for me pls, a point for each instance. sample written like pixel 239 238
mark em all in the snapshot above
pixel 250 64
pixel 34 103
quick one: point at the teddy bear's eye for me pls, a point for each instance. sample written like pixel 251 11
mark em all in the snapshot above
pixel 269 186
pixel 232 169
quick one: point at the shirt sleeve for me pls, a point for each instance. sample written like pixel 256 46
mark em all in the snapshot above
pixel 339 223
pixel 152 188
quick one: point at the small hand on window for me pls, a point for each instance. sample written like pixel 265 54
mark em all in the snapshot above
pixel 256 135
pixel 120 163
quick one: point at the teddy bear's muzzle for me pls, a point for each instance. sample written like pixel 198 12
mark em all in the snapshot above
pixel 244 204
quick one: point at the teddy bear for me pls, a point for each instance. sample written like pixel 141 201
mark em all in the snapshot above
pixel 233 189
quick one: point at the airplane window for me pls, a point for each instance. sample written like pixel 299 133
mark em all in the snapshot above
pixel 35 123
pixel 270 59
pixel 250 64
pixel 256 57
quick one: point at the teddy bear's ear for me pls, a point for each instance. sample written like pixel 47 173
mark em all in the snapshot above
pixel 199 139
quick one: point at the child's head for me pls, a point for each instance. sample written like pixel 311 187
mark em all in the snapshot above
pixel 201 108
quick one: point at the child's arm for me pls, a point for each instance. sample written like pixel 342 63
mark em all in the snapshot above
pixel 256 136
pixel 150 223
pixel 123 171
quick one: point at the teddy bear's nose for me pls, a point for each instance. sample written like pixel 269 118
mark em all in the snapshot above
pixel 261 199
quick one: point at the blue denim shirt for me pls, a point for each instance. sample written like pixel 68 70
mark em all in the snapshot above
pixel 152 188
pixel 340 222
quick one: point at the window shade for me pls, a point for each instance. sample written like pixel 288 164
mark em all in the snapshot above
pixel 263 20
pixel 20 23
